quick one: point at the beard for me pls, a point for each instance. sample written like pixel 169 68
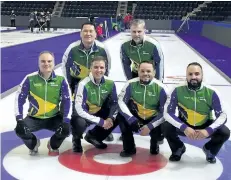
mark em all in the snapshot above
pixel 138 40
pixel 146 81
pixel 194 84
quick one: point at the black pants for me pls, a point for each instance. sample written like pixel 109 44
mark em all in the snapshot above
pixel 48 25
pixel 214 145
pixel 161 136
pixel 12 22
pixel 127 134
pixel 32 26
pixel 35 124
pixel 42 26
pixel 73 84
pixel 80 124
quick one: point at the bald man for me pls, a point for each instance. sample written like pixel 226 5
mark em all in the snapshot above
pixel 45 91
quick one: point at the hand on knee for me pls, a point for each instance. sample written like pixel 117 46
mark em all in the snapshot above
pixel 63 130
pixel 22 130
pixel 135 127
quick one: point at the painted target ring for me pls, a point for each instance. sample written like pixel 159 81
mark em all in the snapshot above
pixel 143 162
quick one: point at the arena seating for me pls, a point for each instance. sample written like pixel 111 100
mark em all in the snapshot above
pixel 24 8
pixel 163 10
pixel 217 11
pixel 158 10
pixel 95 8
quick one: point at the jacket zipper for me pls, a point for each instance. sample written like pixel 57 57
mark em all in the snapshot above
pixel 144 101
pixel 138 51
pixel 45 98
pixel 99 95
pixel 195 106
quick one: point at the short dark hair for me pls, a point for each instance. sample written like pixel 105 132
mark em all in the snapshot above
pixel 148 62
pixel 47 52
pixel 195 64
pixel 98 58
pixel 88 23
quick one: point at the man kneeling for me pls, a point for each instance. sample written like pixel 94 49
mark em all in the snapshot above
pixel 95 103
pixel 141 105
pixel 195 101
pixel 45 91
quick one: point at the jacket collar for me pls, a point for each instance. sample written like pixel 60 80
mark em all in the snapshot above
pixel 93 80
pixel 52 77
pixel 94 47
pixel 202 85
pixel 151 82
pixel 133 43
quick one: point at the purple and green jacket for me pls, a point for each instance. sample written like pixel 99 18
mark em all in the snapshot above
pixel 149 101
pixel 44 97
pixel 195 108
pixel 91 96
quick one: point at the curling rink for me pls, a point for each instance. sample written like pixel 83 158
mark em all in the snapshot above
pixel 107 164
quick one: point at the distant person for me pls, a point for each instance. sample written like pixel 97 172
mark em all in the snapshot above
pixel 12 19
pixel 91 19
pixel 99 30
pixel 32 20
pixel 48 20
pixel 119 20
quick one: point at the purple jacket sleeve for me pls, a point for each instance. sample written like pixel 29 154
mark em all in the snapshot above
pixel 221 116
pixel 126 62
pixel 21 96
pixel 66 101
pixel 114 104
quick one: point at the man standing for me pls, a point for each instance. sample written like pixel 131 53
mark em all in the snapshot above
pixel 77 60
pixel 141 105
pixel 141 48
pixel 45 91
pixel 99 30
pixel 195 101
pixel 48 20
pixel 12 18
pixel 32 21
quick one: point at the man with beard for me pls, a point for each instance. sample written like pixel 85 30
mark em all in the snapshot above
pixel 141 48
pixel 141 103
pixel 76 63
pixel 195 101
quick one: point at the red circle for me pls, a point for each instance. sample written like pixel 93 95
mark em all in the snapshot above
pixel 143 162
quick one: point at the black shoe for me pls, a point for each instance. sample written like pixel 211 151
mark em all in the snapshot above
pixel 128 153
pixel 77 147
pixel 154 150
pixel 121 138
pixel 176 156
pixel 209 156
pixel 109 138
pixel 96 143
